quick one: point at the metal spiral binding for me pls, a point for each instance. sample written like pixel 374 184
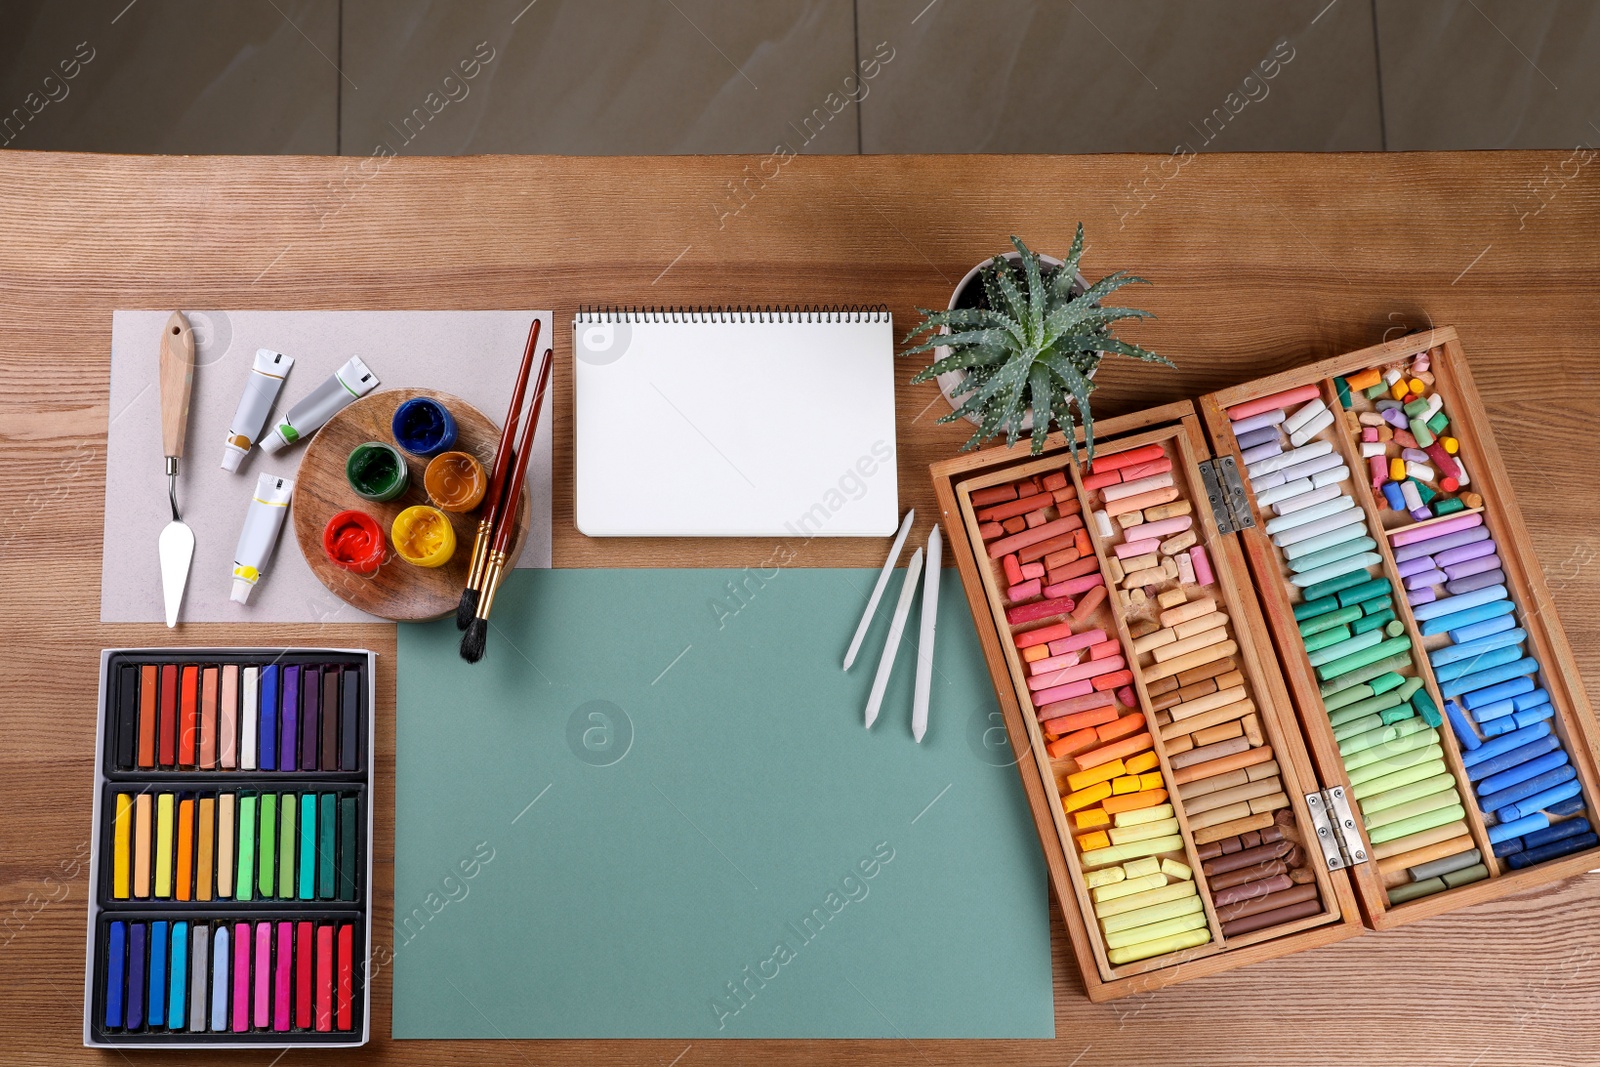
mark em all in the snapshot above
pixel 736 313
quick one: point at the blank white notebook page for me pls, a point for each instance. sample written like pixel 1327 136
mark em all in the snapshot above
pixel 735 424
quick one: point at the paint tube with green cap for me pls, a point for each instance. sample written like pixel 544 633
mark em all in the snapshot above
pixel 304 419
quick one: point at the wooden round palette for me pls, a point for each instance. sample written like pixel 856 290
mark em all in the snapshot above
pixel 396 590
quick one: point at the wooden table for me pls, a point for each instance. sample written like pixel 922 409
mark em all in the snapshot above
pixel 1259 262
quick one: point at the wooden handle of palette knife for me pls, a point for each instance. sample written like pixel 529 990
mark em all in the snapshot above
pixel 177 382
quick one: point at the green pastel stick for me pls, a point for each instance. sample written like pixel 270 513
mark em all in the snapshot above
pixel 1420 431
pixel 1399 714
pixel 1438 422
pixel 1298 552
pixel 1426 707
pixel 1124 938
pixel 1341 649
pixel 1424 490
pixel 1310 609
pixel 1408 687
pixel 1341 584
pixel 1373 622
pixel 1449 506
pixel 347 848
pixel 1159 946
pixel 1415 408
pixel 326 813
pixel 286 813
pixel 1377 604
pixel 1376 392
pixel 1318 623
pixel 1425 787
pixel 1392 738
pixel 1343 698
pixel 1365 590
pixel 1366 657
pixel 1420 806
pixel 1352 727
pixel 268 849
pixel 1362 708
pixel 1466 875
pixel 245 876
pixel 1404 776
pixel 308 846
pixel 1381 759
pixel 1323 638
pixel 1342 387
pixel 1386 681
pixel 1356 564
pixel 1153 914
pixel 1417 823
pixel 1413 890
pixel 1312 562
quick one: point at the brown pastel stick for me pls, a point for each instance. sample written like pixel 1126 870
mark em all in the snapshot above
pixel 1214 669
pixel 1207 786
pixel 1013 526
pixel 1140 501
pixel 1278 915
pixel 1262 770
pixel 1247 874
pixel 1167 511
pixel 1208 850
pixel 1207 702
pixel 1209 752
pixel 1250 838
pixel 1272 832
pixel 1267 895
pixel 1221 732
pixel 1178 744
pixel 1091 600
pixel 1015 506
pixel 1438 850
pixel 1226 713
pixel 1056 543
pixel 1251 725
pixel 1415 841
pixel 1193 659
pixel 1192 609
pixel 1230 845
pixel 1224 797
pixel 1302 876
pixel 1165 685
pixel 1270 802
pixel 1249 891
pixel 1245 857
pixel 1216 816
pixel 1248 758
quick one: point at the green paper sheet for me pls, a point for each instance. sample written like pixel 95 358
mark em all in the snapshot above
pixel 653 811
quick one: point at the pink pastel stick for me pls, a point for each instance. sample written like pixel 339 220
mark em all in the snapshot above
pixel 1055 663
pixel 1163 527
pixel 1074 586
pixel 1202 566
pixel 1025 590
pixel 1092 669
pixel 1104 649
pixel 241 977
pixel 1144 470
pixel 280 999
pixel 1380 470
pixel 1276 400
pixel 1085 702
pixel 1058 604
pixel 1438 529
pixel 1083 640
pixel 1134 488
pixel 1034 535
pixel 1033 570
pixel 263 974
pixel 1137 548
pixel 1062 692
pixel 1044 633
pixel 1125 696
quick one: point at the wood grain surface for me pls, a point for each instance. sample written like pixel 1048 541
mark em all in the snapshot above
pixel 397 589
pixel 1259 263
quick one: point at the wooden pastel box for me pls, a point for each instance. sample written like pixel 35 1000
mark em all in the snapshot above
pixel 1277 667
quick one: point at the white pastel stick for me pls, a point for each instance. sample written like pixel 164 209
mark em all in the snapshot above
pixel 1311 514
pixel 1306 500
pixel 891 644
pixel 1267 481
pixel 930 616
pixel 1285 491
pixel 877 590
pixel 1306 414
pixel 1289 458
pixel 1330 477
pixel 1312 428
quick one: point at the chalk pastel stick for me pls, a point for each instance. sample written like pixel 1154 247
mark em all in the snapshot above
pixel 219 980
pixel 308 847
pixel 281 977
pixel 261 1017
pixel 241 977
pixel 310 706
pixel 228 718
pixel 167 717
pixel 304 956
pixel 199 970
pixel 134 1015
pixel 267 715
pixel 116 974
pixel 156 991
pixel 178 982
pixel 208 718
pixel 328 750
pixel 324 1021
pixel 350 713
pixel 149 693
pixel 189 716
pixel 289 720
pixel 343 1015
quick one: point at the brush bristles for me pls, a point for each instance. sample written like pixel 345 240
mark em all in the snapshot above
pixel 467 608
pixel 475 640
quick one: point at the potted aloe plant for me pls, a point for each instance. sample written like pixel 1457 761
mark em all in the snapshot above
pixel 1024 334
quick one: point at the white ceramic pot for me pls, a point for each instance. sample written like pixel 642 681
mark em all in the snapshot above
pixel 951 381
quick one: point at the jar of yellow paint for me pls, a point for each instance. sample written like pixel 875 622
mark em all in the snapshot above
pixel 423 536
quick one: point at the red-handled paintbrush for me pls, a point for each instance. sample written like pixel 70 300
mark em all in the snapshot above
pixel 476 637
pixel 468 607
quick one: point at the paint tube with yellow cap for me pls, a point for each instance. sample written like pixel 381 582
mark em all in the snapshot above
pixel 262 522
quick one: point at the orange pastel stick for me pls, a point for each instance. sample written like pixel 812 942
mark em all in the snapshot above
pixel 1147 798
pixel 1114 680
pixel 1144 761
pixel 1085 797
pixel 1118 460
pixel 1078 720
pixel 185 848
pixel 1094 839
pixel 1072 744
pixel 1122 727
pixel 1016 507
pixel 1128 746
pixel 1141 501
pixel 995 494
pixel 1037 652
pixel 1091 600
pixel 1080 539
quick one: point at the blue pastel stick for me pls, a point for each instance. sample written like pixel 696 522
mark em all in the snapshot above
pixel 158 973
pixel 1469 685
pixel 1555 850
pixel 1477 664
pixel 1500 724
pixel 1517 756
pixel 267 750
pixel 177 1005
pixel 1534 714
pixel 1566 807
pixel 1468 649
pixel 1460 619
pixel 1392 493
pixel 1465 736
pixel 1507 847
pixel 116 974
pixel 1531 700
pixel 219 979
pixel 1478 630
pixel 1504 803
pixel 1517 827
pixel 1450 605
pixel 136 975
pixel 1557 831
pixel 1493 748
pixel 1511 687
pixel 1519 774
pixel 1539 801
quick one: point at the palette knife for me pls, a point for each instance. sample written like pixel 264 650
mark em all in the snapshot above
pixel 176 545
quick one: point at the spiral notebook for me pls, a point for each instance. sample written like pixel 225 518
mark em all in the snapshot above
pixel 735 422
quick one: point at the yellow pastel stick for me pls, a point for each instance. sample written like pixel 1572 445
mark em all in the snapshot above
pixel 1173 909
pixel 1123 835
pixel 1159 946
pixel 1091 819
pixel 1084 797
pixel 1128 783
pixel 164 844
pixel 1103 773
pixel 1132 850
pixel 1095 840
pixel 1142 815
pixel 1161 894
pixel 1176 870
pixel 1141 867
pixel 1124 888
pixel 1183 924
pixel 1144 761
pixel 122 855
pixel 1104 877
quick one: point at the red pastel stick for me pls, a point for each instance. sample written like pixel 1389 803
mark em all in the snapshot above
pixel 302 986
pixel 346 968
pixel 167 727
pixel 188 716
pixel 324 978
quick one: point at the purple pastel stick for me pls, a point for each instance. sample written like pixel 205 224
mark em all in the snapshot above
pixel 1255 422
pixel 1396 418
pixel 1476 581
pixel 1262 451
pixel 1473 566
pixel 1422 513
pixel 1426 579
pixel 1434 545
pixel 1421 596
pixel 1415 566
pixel 1259 436
pixel 1465 552
pixel 1428 533
pixel 1415 455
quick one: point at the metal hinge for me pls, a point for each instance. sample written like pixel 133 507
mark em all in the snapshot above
pixel 1336 829
pixel 1230 504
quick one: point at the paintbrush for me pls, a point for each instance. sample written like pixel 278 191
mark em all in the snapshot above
pixel 468 607
pixel 477 635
